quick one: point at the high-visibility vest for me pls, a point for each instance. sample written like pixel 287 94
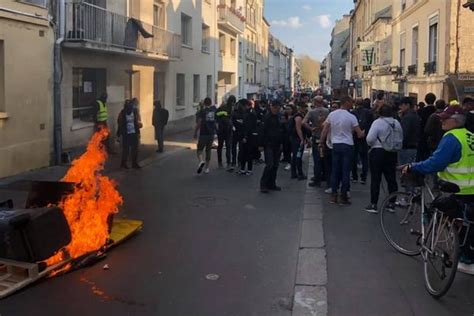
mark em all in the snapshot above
pixel 462 171
pixel 102 112
pixel 222 113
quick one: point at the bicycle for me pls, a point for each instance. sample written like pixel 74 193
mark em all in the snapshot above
pixel 433 230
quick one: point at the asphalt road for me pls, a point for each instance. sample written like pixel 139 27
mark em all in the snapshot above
pixel 368 277
pixel 193 226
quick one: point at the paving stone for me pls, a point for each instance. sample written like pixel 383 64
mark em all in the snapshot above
pixel 310 301
pixel 313 211
pixel 312 234
pixel 312 269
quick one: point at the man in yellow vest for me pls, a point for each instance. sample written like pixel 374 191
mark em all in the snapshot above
pixel 453 160
pixel 101 112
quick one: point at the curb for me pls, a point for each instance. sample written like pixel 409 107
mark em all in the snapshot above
pixel 310 293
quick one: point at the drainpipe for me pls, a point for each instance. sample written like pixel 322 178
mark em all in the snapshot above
pixel 59 38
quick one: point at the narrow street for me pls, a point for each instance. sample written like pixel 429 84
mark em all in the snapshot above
pixel 196 227
pixel 193 226
pixel 368 277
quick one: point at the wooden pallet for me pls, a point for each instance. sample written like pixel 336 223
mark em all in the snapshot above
pixel 15 275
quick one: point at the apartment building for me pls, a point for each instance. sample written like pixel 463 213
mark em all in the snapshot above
pixel 192 78
pixel 230 25
pixel 121 47
pixel 26 86
pixel 411 47
pixel 339 56
pixel 432 45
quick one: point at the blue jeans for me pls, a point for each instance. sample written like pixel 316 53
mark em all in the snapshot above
pixel 342 155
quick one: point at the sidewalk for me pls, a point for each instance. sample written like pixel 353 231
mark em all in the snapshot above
pixel 17 187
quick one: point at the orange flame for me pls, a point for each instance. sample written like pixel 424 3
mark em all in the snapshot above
pixel 93 201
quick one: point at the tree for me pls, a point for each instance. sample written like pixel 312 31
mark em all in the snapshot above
pixel 309 71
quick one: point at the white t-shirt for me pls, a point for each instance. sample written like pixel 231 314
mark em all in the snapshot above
pixel 130 120
pixel 342 126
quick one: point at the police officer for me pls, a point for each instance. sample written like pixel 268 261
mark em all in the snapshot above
pixel 454 160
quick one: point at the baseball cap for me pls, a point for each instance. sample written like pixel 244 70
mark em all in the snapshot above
pixel 450 111
pixel 318 98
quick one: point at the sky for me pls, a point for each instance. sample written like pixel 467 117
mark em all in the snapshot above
pixel 305 25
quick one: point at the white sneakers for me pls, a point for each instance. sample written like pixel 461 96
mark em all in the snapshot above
pixel 200 167
pixel 288 167
pixel 466 268
pixel 206 171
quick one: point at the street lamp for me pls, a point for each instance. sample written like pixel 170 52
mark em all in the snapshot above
pixel 469 4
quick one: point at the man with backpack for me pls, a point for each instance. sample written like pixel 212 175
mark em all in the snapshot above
pixel 385 138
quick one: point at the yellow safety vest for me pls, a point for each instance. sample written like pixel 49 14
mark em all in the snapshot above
pixel 102 114
pixel 462 171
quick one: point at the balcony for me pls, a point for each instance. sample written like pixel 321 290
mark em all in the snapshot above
pixel 230 19
pixel 430 68
pixel 413 69
pixel 93 27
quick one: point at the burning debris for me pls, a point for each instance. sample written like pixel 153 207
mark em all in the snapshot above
pixel 65 225
pixel 89 209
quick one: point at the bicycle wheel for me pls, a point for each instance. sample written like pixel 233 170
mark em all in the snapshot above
pixel 400 219
pixel 440 255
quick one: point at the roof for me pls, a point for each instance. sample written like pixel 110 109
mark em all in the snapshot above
pixel 265 20
pixel 384 13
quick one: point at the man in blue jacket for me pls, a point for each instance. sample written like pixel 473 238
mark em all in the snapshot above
pixel 453 160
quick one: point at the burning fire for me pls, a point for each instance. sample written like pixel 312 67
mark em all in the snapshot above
pixel 93 201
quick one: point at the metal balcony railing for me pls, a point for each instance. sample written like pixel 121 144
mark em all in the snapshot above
pixel 430 68
pixel 413 69
pixel 231 17
pixel 89 23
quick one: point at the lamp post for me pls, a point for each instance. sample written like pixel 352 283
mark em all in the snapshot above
pixel 469 4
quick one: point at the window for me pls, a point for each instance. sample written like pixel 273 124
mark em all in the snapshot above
pixel 414 46
pixel 247 73
pixel 241 50
pixel 40 3
pixel 159 14
pixel 433 40
pixel 87 86
pixel 186 30
pixel 209 86
pixel 206 34
pixel 241 89
pixel 222 43
pixel 180 89
pixel 404 5
pixel 196 89
pixel 2 78
pixel 232 47
pixel 248 45
pixel 402 50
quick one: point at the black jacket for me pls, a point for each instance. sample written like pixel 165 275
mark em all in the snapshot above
pixel 224 120
pixel 433 131
pixel 470 122
pixel 365 117
pixel 249 129
pixel 238 124
pixel 160 117
pixel 272 130
pixel 411 125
